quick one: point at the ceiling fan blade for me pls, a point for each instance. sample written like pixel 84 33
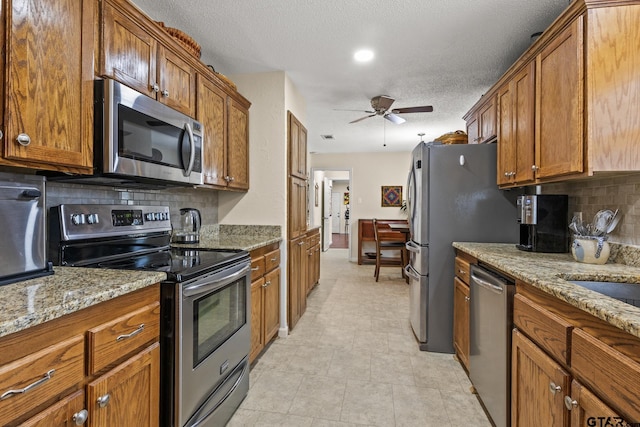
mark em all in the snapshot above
pixel 362 118
pixel 359 111
pixel 423 109
pixel 395 119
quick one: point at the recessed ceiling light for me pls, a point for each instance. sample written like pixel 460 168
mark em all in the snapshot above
pixel 363 55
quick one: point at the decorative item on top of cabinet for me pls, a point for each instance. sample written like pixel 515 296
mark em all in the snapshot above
pixel 226 136
pixel 134 53
pixel 51 357
pixel 461 298
pixel 49 97
pixel 265 297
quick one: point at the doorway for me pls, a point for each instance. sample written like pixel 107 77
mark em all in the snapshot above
pixel 331 208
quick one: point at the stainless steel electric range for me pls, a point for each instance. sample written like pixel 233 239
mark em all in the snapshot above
pixel 205 326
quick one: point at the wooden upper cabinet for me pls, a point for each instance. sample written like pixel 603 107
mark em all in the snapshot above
pixel 559 104
pixel 481 122
pixel 297 147
pixel 238 150
pixel 613 88
pixel 516 130
pixel 49 86
pixel 212 113
pixel 132 55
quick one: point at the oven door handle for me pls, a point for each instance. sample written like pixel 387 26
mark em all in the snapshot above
pixel 208 286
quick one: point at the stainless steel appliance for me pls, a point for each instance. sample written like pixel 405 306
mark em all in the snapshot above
pixel 23 223
pixel 452 196
pixel 491 315
pixel 543 220
pixel 189 230
pixel 205 303
pixel 139 140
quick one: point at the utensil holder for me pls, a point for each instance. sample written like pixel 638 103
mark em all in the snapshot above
pixel 590 250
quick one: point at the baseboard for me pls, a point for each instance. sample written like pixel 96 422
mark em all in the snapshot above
pixel 283 332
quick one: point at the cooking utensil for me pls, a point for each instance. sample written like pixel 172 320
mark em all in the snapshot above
pixel 613 224
pixel 601 222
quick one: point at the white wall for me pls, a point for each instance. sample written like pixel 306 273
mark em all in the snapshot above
pixel 369 172
pixel 271 95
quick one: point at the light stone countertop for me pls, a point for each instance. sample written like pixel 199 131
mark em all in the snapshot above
pixel 31 302
pixel 550 272
pixel 245 237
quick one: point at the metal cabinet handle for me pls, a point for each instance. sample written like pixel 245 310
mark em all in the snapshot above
pixel 461 271
pixel 165 93
pixel 301 243
pixel 103 400
pixel 136 332
pixel 570 403
pixel 155 87
pixel 23 139
pixel 255 269
pixel 80 417
pixel 231 179
pixel 553 388
pixel 267 283
pixel 467 299
pixel 7 394
pixel 534 168
pixel 274 259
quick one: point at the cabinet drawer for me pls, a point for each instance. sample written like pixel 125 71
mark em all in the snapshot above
pixel 609 373
pixel 257 268
pixel 550 332
pixel 42 375
pixel 272 260
pixel 462 269
pixel 112 341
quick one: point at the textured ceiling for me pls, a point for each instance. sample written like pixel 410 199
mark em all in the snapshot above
pixel 444 53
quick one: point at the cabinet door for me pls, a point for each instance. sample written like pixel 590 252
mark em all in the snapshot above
pixel 461 321
pixel 50 96
pixel 271 298
pixel 473 129
pixel 257 333
pixel 538 386
pixel 212 113
pixel 177 81
pixel 316 263
pixel 129 53
pixel 66 412
pixel 587 409
pixel 488 121
pixel 297 207
pixel 523 117
pixel 129 393
pixel 296 248
pixel 238 150
pixel 559 104
pixel 506 140
pixel 297 147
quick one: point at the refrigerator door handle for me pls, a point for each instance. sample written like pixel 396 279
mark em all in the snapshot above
pixel 412 247
pixel 410 272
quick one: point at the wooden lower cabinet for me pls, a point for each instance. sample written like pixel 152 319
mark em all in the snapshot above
pixel 265 297
pixel 56 354
pixel 128 395
pixel 461 321
pixel 538 386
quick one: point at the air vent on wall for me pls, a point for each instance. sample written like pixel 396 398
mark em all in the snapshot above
pixel 327 137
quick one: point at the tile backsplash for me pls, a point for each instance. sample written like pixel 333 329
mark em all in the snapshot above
pixel 177 197
pixel 616 192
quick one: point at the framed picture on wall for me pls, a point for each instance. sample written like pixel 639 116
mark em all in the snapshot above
pixel 391 196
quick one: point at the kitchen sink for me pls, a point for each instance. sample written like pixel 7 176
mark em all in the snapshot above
pixel 625 292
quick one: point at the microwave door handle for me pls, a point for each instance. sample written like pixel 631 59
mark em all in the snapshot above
pixel 192 155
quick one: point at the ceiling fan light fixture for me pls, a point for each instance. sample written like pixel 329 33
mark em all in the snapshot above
pixel 363 55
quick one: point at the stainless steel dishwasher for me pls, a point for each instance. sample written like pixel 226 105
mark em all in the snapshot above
pixel 491 321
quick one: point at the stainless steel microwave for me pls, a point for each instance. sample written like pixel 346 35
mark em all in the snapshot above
pixel 142 140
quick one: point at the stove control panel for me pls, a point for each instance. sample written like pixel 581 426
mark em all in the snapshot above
pixel 156 216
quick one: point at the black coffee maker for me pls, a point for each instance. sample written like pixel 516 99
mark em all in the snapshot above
pixel 543 223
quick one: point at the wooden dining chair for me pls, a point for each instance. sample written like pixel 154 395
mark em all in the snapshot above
pixel 390 249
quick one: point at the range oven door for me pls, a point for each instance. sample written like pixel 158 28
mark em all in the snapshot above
pixel 213 343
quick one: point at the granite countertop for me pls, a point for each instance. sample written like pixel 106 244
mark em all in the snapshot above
pixel 31 302
pixel 245 237
pixel 550 272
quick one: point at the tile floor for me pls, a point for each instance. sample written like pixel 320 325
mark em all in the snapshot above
pixel 352 360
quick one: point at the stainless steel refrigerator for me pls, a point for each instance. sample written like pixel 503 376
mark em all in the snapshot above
pixel 452 195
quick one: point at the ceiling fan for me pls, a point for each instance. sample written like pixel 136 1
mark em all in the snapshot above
pixel 381 104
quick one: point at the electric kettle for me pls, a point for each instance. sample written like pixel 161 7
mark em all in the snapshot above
pixel 189 229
